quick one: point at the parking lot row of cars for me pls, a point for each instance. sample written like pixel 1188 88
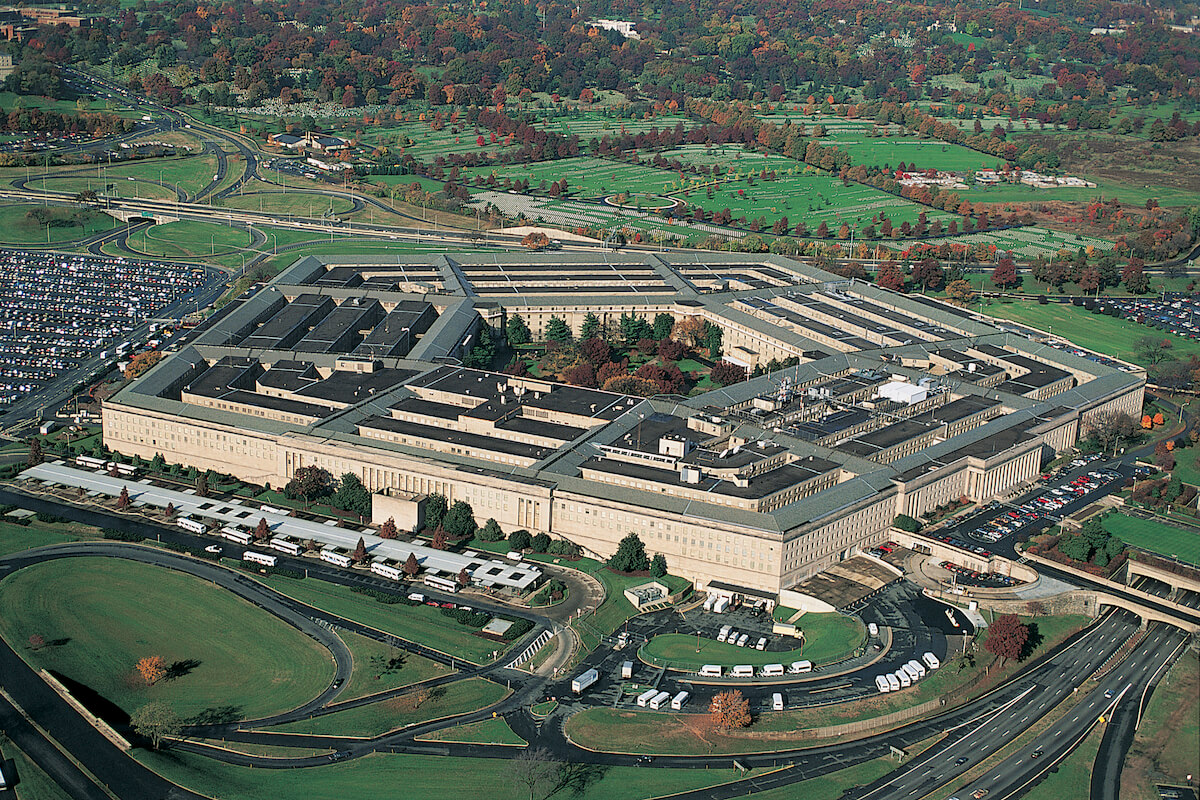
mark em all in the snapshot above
pixel 58 311
pixel 1177 313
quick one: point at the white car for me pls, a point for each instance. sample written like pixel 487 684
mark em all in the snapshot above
pixel 212 548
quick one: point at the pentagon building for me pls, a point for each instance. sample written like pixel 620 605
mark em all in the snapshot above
pixel 898 404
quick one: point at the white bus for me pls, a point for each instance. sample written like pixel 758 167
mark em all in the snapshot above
pixel 89 462
pixel 711 671
pixel 893 683
pixel 387 569
pixel 441 584
pixel 800 667
pixel 907 669
pixel 918 667
pixel 777 702
pixel 235 535
pixel 192 525
pixel 272 510
pixel 931 661
pixel 742 671
pixel 335 557
pixel 285 545
pixel 259 558
pixel 902 676
pixel 123 470
pixel 881 683
pixel 645 697
pixel 657 701
pixel 678 700
pixel 772 670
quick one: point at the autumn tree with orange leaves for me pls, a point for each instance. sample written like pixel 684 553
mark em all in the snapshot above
pixel 152 669
pixel 729 709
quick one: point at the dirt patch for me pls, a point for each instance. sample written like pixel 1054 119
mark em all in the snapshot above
pixel 1128 159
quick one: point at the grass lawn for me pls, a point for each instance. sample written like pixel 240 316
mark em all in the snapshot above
pixel 15 538
pixel 371 674
pixel 924 153
pixel 415 623
pixel 1166 747
pixel 1104 334
pixel 459 697
pixel 412 777
pixel 138 190
pixel 275 201
pixel 615 609
pixel 34 783
pixel 1156 537
pixel 828 637
pixel 189 239
pixel 489 731
pixel 1072 778
pixel 100 615
pixel 1187 465
pixel 19 228
pixel 655 732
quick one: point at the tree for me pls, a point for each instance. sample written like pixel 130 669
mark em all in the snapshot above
pixel 411 566
pixel 463 578
pixel 37 641
pixel 540 543
pixel 263 531
pixel 141 363
pixel 1108 429
pixel 490 532
pixel 352 496
pixel 595 351
pixel 670 350
pixel 534 769
pixel 1005 274
pixel 726 373
pixel 891 276
pixel 906 523
pixel 438 541
pixel 557 330
pixel 960 292
pixel 460 521
pixel 536 240
pixel 658 565
pixel 123 500
pixel 1152 349
pixel 35 452
pixel 1006 638
pixel 1134 277
pixel 1163 457
pixel 581 375
pixel 435 510
pixel 309 483
pixel 516 331
pixel 729 709
pixel 662 326
pixel 156 721
pixel 592 328
pixel 152 669
pixel 170 512
pixel 388 529
pixel 519 540
pixel 928 274
pixel 630 555
pixel 689 330
pixel 202 485
pixel 360 551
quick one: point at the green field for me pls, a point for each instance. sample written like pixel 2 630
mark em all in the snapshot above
pixel 139 189
pixel 188 239
pixel 459 697
pixel 276 201
pixel 100 615
pixel 415 623
pixel 1166 746
pixel 590 124
pixel 371 674
pixel 14 538
pixel 1157 537
pixel 828 637
pixel 489 731
pixel 1104 334
pixel 616 608
pixel 423 143
pixel 924 153
pixel 10 101
pixel 20 228
pixel 189 173
pixel 411 777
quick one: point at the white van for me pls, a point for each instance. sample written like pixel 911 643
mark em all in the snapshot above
pixel 872 629
pixel 742 671
pixel 931 661
pixel 645 697
pixel 678 700
pixel 723 634
pixel 902 676
pixel 800 667
pixel 893 682
pixel 762 644
pixel 657 701
pixel 772 670
pixel 711 671
pixel 881 683
pixel 741 640
pixel 777 702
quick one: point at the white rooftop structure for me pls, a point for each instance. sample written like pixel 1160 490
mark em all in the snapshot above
pixel 485 571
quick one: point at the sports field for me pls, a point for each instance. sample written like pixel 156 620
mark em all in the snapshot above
pixel 98 616
pixel 828 637
pixel 1157 537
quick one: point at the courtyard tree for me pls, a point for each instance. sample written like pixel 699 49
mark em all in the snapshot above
pixel 388 529
pixel 262 530
pixel 726 373
pixel 352 496
pixel 459 522
pixel 592 327
pixel 519 540
pixel 490 532
pixel 662 326
pixel 156 721
pixel 630 555
pixel 309 483
pixel 557 330
pixel 658 565
pixel 516 331
pixel 435 510
pixel 906 523
pixel 729 710
pixel 411 565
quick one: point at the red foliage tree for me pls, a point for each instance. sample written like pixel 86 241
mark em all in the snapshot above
pixel 411 565
pixel 1007 637
pixel 388 529
pixel 263 531
pixel 726 373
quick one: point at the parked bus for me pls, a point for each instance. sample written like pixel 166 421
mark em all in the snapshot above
pixel 336 557
pixel 893 682
pixel 272 510
pixel 657 701
pixel 711 671
pixel 191 525
pixel 678 701
pixel 89 462
pixel 285 545
pixel 881 683
pixel 235 535
pixel 772 670
pixel 388 569
pixel 918 667
pixel 442 584
pixel 259 558
pixel 800 667
pixel 777 702
pixel 742 671
pixel 645 697
pixel 931 661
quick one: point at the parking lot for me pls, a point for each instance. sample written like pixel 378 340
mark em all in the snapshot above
pixel 1177 313
pixel 60 311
